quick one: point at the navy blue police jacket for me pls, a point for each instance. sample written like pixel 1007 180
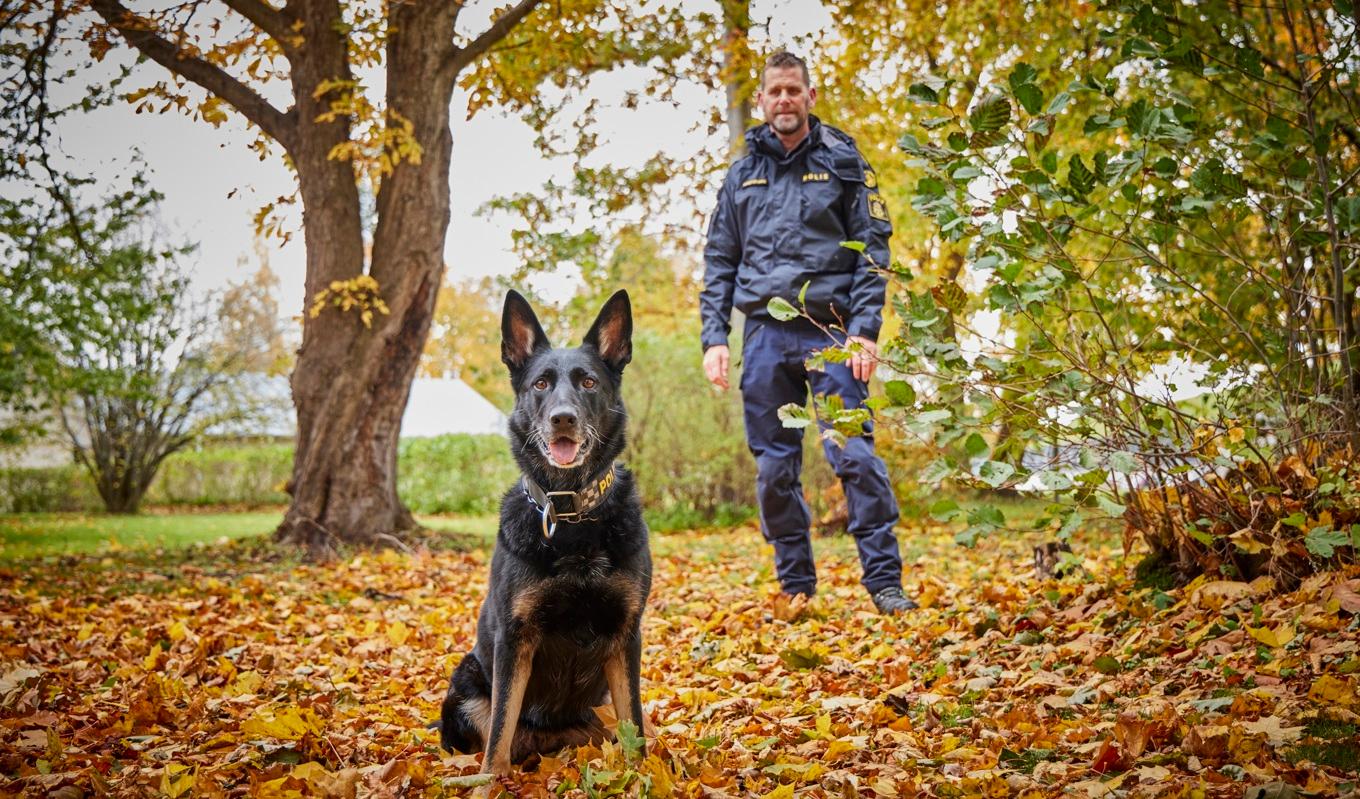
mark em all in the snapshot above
pixel 779 223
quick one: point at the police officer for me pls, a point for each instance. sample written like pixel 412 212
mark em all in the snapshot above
pixel 785 207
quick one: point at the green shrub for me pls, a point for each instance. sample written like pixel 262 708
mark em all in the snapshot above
pixel 454 473
pixel 224 474
pixel 685 442
pixel 61 488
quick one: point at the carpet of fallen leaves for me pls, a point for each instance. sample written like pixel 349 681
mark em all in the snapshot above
pixel 223 673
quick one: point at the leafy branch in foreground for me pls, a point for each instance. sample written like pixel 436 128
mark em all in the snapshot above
pixel 1168 247
pixel 1155 320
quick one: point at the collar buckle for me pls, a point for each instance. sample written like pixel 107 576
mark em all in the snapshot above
pixel 571 512
pixel 567 506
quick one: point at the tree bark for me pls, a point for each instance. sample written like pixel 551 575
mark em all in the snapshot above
pixel 736 65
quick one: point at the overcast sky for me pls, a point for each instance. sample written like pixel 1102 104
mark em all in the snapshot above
pixel 214 184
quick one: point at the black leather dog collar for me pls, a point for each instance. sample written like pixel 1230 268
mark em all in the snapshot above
pixel 568 506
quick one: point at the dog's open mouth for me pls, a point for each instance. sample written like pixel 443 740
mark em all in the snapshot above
pixel 564 451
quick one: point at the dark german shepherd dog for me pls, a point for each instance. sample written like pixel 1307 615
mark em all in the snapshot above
pixel 562 619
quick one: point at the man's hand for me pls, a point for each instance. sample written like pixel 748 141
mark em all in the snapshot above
pixel 715 365
pixel 862 363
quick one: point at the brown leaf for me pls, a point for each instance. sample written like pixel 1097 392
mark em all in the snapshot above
pixel 1347 594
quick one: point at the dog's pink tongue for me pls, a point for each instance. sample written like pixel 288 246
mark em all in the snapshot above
pixel 564 450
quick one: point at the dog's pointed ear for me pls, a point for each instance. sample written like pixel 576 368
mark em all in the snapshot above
pixel 612 334
pixel 521 334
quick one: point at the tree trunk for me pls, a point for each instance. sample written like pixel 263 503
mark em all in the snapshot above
pixel 736 71
pixel 351 383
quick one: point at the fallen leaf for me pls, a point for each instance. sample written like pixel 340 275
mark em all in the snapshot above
pixel 1271 727
pixel 1332 690
pixel 1347 595
pixel 1273 638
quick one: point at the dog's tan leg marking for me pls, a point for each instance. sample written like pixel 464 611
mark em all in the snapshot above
pixel 497 760
pixel 616 674
pixel 526 603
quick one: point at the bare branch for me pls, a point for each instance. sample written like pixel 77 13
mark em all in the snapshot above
pixel 277 124
pixel 272 21
pixel 499 29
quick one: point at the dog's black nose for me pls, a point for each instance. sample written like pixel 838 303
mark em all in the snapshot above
pixel 564 417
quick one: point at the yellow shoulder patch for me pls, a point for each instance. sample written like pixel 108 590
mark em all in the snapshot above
pixel 878 208
pixel 870 179
pixel 754 182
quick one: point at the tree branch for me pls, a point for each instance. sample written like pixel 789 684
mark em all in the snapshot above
pixel 272 21
pixel 462 56
pixel 278 125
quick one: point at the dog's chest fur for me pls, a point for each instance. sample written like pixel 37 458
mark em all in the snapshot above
pixel 584 599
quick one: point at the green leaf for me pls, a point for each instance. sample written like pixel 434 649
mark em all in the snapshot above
pixel 923 94
pixel 857 246
pixel 1323 541
pixel 1123 463
pixel 995 473
pixel 1081 179
pixel 991 114
pixel 801 658
pixel 802 293
pixel 782 309
pixel 1030 98
pixel 987 516
pixel 975 446
pixel 631 739
pixel 1295 519
pixel 1109 506
pixel 935 471
pixel 1054 481
pixel 1107 665
pixel 794 416
pixel 1023 74
pixel 945 510
pixel 1058 103
pixel 958 142
pixel 900 393
pixel 468 780
pixel 982 520
pixel 1248 59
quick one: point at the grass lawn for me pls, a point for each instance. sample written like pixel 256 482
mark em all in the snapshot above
pixel 29 535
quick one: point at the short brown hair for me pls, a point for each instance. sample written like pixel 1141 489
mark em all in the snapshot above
pixel 784 60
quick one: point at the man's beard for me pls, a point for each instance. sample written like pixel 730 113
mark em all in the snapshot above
pixel 786 123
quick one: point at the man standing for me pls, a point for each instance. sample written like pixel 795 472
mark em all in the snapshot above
pixel 785 207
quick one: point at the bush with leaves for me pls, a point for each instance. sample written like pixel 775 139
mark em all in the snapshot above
pixel 108 339
pixel 1166 242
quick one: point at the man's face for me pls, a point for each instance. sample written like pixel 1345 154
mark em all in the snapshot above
pixel 786 100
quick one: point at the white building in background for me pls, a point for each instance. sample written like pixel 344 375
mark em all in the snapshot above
pixel 437 406
pixel 440 405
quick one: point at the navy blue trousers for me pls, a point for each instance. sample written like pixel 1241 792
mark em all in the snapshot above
pixel 773 374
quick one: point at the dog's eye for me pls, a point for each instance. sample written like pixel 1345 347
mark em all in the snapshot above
pixel 541 384
pixel 589 382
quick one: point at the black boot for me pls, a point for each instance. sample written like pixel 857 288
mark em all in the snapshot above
pixel 891 600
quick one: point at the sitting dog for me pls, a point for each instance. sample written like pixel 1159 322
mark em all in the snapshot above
pixel 562 620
